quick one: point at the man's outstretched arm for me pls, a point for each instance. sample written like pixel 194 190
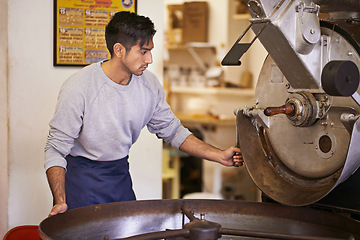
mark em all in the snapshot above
pixel 56 179
pixel 229 157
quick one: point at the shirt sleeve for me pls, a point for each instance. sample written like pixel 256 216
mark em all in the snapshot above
pixel 65 127
pixel 165 124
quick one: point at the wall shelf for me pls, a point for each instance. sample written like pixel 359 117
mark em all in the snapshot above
pixel 205 119
pixel 197 50
pixel 243 16
pixel 220 91
pixel 182 46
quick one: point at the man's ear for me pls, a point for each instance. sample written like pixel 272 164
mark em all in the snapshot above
pixel 119 49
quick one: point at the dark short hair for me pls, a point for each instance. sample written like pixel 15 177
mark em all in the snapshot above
pixel 128 29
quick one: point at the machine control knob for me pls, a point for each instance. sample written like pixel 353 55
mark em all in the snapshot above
pixel 287 109
pixel 300 108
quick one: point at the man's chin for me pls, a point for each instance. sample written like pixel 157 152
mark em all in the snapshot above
pixel 139 73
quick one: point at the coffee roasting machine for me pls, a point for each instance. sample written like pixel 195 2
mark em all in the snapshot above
pixel 300 141
pixel 305 130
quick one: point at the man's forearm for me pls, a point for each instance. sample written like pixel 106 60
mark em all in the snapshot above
pixel 56 179
pixel 198 148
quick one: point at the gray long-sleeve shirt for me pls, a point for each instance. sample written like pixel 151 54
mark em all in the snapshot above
pixel 100 120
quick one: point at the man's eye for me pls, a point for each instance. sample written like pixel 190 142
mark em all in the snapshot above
pixel 143 52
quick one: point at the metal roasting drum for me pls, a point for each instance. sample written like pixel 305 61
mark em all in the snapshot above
pixel 299 140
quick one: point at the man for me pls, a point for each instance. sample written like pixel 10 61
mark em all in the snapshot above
pixel 99 115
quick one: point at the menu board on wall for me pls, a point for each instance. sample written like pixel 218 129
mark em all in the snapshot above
pixel 79 29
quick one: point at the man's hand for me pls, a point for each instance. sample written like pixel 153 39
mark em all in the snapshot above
pixel 232 157
pixel 58 208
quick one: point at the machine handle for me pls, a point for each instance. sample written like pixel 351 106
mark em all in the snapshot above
pixel 287 109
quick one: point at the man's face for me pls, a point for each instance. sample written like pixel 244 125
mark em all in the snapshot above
pixel 137 59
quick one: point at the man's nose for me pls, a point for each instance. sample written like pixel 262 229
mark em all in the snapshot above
pixel 149 58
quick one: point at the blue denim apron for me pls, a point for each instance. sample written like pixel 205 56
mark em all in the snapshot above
pixel 90 182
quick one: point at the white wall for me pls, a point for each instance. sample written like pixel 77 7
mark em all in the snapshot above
pixel 33 87
pixel 3 118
